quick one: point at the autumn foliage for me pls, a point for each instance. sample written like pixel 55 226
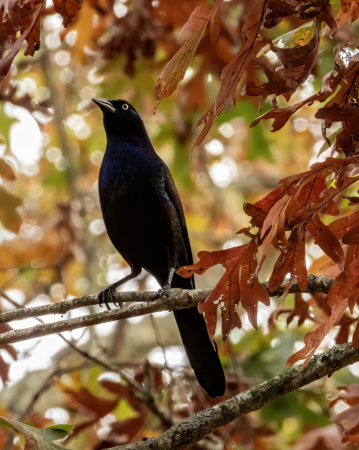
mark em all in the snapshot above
pixel 304 208
pixel 297 210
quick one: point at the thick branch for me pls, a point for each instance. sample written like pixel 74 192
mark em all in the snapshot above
pixel 175 299
pixel 191 430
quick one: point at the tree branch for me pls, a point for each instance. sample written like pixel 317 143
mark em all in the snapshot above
pixel 319 283
pixel 175 299
pixel 192 429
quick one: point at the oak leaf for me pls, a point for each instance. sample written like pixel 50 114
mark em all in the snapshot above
pixel 192 33
pixel 313 339
pixel 67 9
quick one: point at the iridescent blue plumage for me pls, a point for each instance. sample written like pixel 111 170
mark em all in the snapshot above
pixel 144 219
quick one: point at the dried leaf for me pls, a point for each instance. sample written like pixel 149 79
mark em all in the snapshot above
pixel 301 309
pixel 341 226
pixel 67 9
pixel 6 170
pixel 346 284
pixel 349 12
pixel 314 338
pixel 344 327
pixel 9 215
pixel 210 259
pixel 297 63
pixel 348 420
pixel 192 32
pixel 351 236
pixel 30 24
pixel 234 70
pixel 226 290
pixel 4 366
pixel 350 395
pixel 274 222
pixel 346 79
pixel 323 438
pixel 327 241
pixel 251 291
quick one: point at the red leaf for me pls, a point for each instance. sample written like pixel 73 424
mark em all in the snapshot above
pixel 234 70
pixel 351 236
pixel 346 283
pixel 226 290
pixel 323 438
pixel 251 291
pixel 28 26
pixel 275 223
pixel 348 420
pixel 192 33
pixel 67 9
pixel 257 214
pixel 350 395
pixel 313 339
pixel 268 201
pixel 301 309
pixel 292 261
pixel 327 241
pixel 341 226
pixel 355 338
pixel 210 259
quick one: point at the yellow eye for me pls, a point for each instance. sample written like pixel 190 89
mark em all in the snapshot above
pixel 125 106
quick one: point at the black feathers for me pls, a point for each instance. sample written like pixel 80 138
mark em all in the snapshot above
pixel 144 218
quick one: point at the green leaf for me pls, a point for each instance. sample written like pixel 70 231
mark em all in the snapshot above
pixel 35 438
pixel 336 4
pixel 289 40
pixel 62 426
pixel 298 406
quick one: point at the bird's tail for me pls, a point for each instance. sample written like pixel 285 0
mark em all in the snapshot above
pixel 202 356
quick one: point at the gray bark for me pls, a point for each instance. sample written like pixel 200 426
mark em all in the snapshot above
pixel 175 299
pixel 192 429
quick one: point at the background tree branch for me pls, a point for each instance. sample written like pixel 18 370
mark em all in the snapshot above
pixel 192 429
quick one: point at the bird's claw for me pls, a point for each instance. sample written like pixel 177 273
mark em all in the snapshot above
pixel 161 293
pixel 107 295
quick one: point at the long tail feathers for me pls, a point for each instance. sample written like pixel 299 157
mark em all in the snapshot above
pixel 202 356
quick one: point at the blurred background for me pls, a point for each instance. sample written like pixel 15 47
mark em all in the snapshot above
pixel 53 242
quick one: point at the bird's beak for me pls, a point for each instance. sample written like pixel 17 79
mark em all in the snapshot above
pixel 104 104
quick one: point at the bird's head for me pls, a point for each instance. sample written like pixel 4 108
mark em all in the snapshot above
pixel 119 117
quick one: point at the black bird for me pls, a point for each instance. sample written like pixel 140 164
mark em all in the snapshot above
pixel 144 219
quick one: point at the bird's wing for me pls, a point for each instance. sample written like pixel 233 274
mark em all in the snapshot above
pixel 176 200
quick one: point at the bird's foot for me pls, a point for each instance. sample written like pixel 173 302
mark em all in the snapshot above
pixel 161 293
pixel 107 295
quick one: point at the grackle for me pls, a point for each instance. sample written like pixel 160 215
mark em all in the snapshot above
pixel 144 219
